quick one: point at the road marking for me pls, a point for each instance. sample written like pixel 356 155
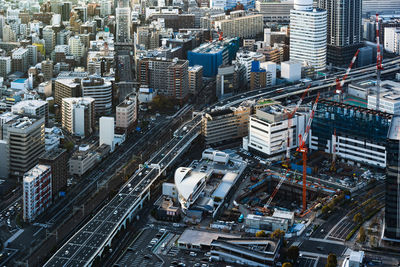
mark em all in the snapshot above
pixel 326 241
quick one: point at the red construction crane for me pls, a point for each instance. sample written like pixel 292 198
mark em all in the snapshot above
pixel 290 116
pixel 339 84
pixel 283 177
pixel 379 66
pixel 303 149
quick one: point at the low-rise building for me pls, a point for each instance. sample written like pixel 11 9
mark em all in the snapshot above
pixel 82 161
pixel 57 159
pixel 226 124
pixel 126 112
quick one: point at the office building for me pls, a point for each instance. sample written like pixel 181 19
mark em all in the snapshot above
pixel 275 11
pixel 82 161
pixel 195 74
pixel 230 80
pixel 308 35
pixel 64 88
pixel 228 124
pixel 20 59
pixel 37 108
pixel 270 66
pixel 47 69
pixel 268 130
pixel 344 35
pixel 49 39
pixel 392 192
pixel 357 135
pixel 76 47
pixel 168 76
pixel 107 132
pixel 381 6
pixel 241 26
pixel 5 66
pixel 392 40
pixel 214 54
pixel 126 112
pixel 148 36
pixel 246 58
pixel 57 159
pixel 259 77
pixel 123 25
pixel 32 54
pixel 78 115
pixel 101 91
pixel 37 195
pixel 291 71
pixel 66 8
pixel 25 143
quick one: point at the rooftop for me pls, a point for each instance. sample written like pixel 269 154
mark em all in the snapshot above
pixel 199 238
pixel 36 171
pixel 394 130
pixel 187 180
pixel 19 81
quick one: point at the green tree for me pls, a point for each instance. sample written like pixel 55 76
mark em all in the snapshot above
pixel 357 218
pixel 277 234
pixel 261 234
pixel 293 253
pixel 324 209
pixel 69 146
pixel 332 260
pixel 361 235
pixel 287 264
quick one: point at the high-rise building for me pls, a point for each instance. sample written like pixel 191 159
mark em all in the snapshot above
pixel 25 143
pixel 392 40
pixel 344 35
pixel 259 77
pixel 381 6
pixel 76 47
pixel 126 112
pixel 230 80
pixel 107 129
pixel 37 193
pixel 65 10
pixel 392 192
pixel 275 11
pixel 241 26
pixel 308 34
pixel 38 108
pixel 20 59
pixel 105 8
pixel 49 39
pixel 47 69
pixel 169 77
pixel 32 54
pixel 78 115
pixel 195 74
pixel 65 88
pixel 5 66
pixel 123 24
pixel 57 159
pixel 101 91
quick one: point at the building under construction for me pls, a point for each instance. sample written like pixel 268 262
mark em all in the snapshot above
pixel 352 133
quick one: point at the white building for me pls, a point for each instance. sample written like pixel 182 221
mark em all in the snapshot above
pixel 270 67
pixel 392 40
pixel 291 71
pixel 76 47
pixel 107 132
pixel 268 130
pixel 36 191
pixel 308 33
pixel 101 91
pixel 78 115
pixel 246 57
pixel 37 108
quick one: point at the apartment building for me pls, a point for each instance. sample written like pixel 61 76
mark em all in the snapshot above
pixel 101 91
pixel 78 115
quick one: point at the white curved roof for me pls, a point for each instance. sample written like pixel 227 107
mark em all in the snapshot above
pixel 186 181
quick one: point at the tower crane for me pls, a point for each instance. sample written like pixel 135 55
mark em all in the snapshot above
pixel 283 177
pixel 379 66
pixel 303 149
pixel 340 84
pixel 290 117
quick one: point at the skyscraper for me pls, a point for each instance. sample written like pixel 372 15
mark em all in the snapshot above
pixel 344 20
pixel 392 192
pixel 123 28
pixel 308 34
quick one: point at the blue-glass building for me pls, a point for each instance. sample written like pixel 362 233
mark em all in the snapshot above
pixel 214 54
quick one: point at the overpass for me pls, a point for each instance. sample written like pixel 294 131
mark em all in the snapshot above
pixel 90 241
